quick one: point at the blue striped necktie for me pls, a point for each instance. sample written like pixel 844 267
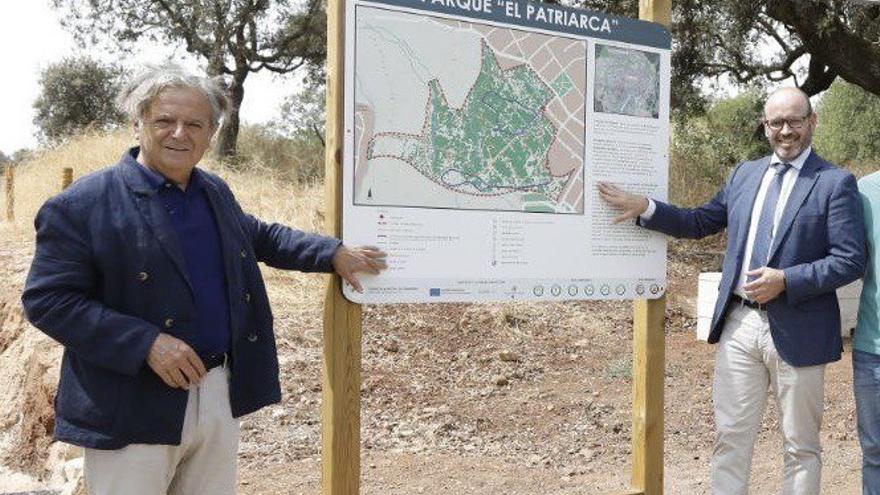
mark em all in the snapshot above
pixel 764 234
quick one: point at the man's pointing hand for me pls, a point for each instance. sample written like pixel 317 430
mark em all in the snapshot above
pixel 631 204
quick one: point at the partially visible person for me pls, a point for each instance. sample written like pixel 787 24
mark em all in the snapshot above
pixel 866 344
pixel 146 272
pixel 794 235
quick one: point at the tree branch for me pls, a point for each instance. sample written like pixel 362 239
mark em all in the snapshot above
pixel 318 135
pixel 819 77
pixel 824 35
pixel 187 29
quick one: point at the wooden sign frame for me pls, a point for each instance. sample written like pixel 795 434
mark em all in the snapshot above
pixel 341 399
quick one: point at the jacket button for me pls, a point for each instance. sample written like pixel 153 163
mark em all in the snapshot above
pixel 243 254
pixel 169 322
pixel 247 297
pixel 143 276
pixel 252 337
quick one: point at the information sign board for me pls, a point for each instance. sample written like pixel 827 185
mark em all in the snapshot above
pixel 475 133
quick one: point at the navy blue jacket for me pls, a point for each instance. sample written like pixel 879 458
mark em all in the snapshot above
pixel 108 276
pixel 820 245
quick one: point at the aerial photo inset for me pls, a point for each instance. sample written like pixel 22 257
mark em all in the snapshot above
pixel 627 82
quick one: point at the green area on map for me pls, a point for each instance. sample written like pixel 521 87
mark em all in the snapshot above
pixel 496 143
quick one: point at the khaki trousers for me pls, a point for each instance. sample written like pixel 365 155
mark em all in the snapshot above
pixel 746 365
pixel 203 463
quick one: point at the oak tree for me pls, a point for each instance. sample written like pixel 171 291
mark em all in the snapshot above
pixel 233 37
pixel 76 93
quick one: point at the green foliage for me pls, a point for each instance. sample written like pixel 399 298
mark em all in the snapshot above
pixel 848 129
pixel 302 114
pixel 75 94
pixel 728 133
pixel 706 147
pixel 3 158
pixel 234 39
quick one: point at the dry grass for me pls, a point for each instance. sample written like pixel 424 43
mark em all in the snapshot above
pixel 689 185
pixel 260 190
pixel 39 177
pixel 264 193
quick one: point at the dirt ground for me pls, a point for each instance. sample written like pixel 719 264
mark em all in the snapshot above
pixel 456 399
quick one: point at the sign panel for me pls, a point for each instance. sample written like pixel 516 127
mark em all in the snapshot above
pixel 475 133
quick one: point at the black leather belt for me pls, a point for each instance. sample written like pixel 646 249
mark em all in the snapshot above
pixel 745 302
pixel 214 360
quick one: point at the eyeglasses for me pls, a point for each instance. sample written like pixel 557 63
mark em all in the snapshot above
pixel 778 124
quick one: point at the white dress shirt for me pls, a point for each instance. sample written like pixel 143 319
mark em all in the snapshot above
pixel 787 185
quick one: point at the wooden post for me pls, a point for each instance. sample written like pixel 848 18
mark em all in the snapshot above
pixel 648 378
pixel 10 192
pixel 659 11
pixel 649 353
pixel 66 177
pixel 341 398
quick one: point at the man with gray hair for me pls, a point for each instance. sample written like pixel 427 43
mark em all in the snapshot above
pixel 146 272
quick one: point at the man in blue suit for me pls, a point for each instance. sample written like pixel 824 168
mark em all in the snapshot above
pixel 147 273
pixel 795 234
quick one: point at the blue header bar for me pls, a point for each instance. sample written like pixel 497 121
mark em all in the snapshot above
pixel 579 22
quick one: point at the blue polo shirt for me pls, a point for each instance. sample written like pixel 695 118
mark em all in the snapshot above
pixel 193 220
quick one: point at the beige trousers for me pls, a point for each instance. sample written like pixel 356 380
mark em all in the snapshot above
pixel 203 463
pixel 746 366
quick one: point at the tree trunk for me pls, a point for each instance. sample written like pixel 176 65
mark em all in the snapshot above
pixel 227 137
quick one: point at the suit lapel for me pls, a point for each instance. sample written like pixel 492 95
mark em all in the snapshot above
pixel 154 215
pixel 150 208
pixel 804 183
pixel 750 186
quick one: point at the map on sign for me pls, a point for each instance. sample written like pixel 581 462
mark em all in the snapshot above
pixel 474 135
pixel 627 82
pixel 496 124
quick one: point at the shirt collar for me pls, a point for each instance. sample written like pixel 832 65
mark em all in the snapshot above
pixel 157 181
pixel 798 162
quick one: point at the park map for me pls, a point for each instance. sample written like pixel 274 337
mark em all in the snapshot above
pixel 461 115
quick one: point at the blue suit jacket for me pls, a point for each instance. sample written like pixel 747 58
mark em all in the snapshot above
pixel 820 245
pixel 108 276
